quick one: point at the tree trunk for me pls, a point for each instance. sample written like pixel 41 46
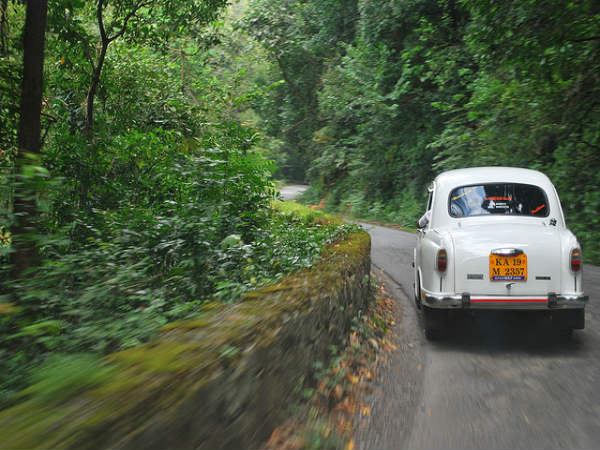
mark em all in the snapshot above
pixel 105 40
pixel 89 123
pixel 24 249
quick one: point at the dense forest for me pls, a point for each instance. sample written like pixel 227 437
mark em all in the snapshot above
pixel 145 194
pixel 380 96
pixel 144 190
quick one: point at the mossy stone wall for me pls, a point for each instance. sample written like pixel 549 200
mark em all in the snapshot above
pixel 221 381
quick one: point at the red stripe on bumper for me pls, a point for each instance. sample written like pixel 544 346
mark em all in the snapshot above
pixel 517 300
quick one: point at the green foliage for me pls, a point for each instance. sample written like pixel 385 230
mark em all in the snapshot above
pixel 309 216
pixel 423 86
pixel 299 38
pixel 530 102
pixel 163 206
pixel 139 272
pixel 62 375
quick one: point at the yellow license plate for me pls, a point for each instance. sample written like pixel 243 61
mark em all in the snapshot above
pixel 508 268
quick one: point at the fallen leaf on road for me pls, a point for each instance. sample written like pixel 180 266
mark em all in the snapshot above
pixel 419 367
pixel 352 378
pixel 350 445
pixel 347 406
pixel 373 343
pixel 365 410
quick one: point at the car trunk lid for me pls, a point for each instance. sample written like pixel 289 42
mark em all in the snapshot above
pixel 539 244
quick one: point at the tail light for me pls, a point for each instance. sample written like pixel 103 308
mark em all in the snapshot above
pixel 442 260
pixel 575 260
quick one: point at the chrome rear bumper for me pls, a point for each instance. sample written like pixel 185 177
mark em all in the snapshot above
pixel 466 301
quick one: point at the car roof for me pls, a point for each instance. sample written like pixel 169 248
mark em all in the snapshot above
pixel 475 175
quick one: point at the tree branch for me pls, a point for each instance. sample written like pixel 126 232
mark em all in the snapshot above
pixel 592 38
pixel 99 12
pixel 181 51
pixel 51 118
pixel 589 144
pixel 290 128
pixel 105 42
pixel 86 49
pixel 132 13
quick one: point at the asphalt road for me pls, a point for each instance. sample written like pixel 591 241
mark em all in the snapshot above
pixel 496 381
pixel 292 191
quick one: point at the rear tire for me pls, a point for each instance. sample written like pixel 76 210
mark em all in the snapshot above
pixel 435 322
pixel 569 319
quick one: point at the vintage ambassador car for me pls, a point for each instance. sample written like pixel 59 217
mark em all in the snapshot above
pixel 495 238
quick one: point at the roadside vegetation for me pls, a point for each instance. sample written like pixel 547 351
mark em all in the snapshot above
pixel 126 282
pixel 149 195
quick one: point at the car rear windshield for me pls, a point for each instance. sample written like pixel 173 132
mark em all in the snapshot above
pixel 498 198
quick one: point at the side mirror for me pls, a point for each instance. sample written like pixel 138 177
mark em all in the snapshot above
pixel 424 220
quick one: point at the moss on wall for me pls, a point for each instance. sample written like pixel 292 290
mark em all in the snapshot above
pixel 222 380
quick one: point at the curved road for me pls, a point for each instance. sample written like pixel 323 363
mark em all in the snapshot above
pixel 494 382
pixel 292 191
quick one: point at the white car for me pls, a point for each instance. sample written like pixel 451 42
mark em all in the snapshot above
pixel 495 238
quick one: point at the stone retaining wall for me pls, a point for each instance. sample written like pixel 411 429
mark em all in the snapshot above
pixel 221 381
